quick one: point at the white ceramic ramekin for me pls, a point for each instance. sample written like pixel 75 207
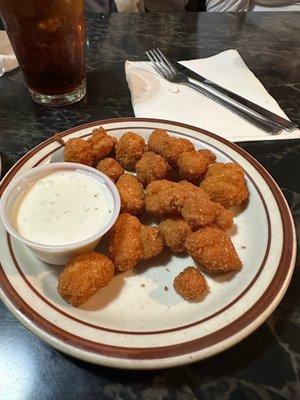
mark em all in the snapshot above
pixel 55 254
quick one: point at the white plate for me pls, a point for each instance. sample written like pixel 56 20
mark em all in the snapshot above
pixel 139 321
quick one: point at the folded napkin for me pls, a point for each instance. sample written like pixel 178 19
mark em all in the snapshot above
pixel 154 97
pixel 8 59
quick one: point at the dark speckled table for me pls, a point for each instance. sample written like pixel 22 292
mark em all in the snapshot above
pixel 266 364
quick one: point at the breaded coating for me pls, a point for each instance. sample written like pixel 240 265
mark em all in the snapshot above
pixel 111 168
pixel 224 218
pixel 160 199
pixel 157 141
pixel 169 147
pixel 83 276
pixel 175 147
pixel 225 183
pixel 131 193
pixel 152 241
pixel 188 187
pixel 198 210
pixel 213 250
pixel 129 150
pixel 102 144
pixel 193 164
pixel 166 197
pixel 79 151
pixel 124 245
pixel 131 242
pixel 159 186
pixel 152 167
pixel 175 231
pixel 190 283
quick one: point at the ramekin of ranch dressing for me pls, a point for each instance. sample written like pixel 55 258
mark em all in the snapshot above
pixel 60 210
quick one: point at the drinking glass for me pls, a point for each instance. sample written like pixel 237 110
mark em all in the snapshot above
pixel 48 38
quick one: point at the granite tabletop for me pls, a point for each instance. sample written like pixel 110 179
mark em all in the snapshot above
pixel 266 364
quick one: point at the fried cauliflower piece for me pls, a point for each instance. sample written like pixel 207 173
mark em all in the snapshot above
pixel 124 246
pixel 158 186
pixel 213 250
pixel 152 241
pixel 192 165
pixel 111 168
pixel 169 147
pixel 129 150
pixel 152 167
pixel 224 218
pixel 198 210
pixel 190 283
pixel 165 197
pixel 187 187
pixel 102 144
pixel 175 231
pixel 225 183
pixel 131 193
pixel 79 151
pixel 130 242
pixel 83 276
pixel 161 199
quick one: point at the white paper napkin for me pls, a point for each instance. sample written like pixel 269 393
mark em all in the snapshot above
pixel 8 59
pixel 154 97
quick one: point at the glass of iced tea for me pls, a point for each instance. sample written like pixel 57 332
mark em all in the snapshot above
pixel 48 37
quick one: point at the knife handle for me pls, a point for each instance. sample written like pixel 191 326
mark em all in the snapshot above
pixel 267 126
pixel 263 112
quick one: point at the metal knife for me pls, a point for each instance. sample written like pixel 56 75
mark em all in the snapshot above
pixel 268 115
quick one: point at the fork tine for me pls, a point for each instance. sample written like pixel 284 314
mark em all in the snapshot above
pixel 155 65
pixel 165 68
pixel 149 55
pixel 151 52
pixel 161 62
pixel 152 59
pixel 159 66
pixel 166 60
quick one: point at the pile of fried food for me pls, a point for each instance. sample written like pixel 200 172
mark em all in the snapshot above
pixel 187 189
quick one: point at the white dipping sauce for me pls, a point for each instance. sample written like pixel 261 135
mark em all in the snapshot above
pixel 62 208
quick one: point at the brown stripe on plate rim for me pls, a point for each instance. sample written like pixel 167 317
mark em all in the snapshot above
pixel 244 320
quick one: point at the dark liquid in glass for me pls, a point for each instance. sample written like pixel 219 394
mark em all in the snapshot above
pixel 48 37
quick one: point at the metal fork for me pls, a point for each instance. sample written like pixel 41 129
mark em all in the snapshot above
pixel 168 71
